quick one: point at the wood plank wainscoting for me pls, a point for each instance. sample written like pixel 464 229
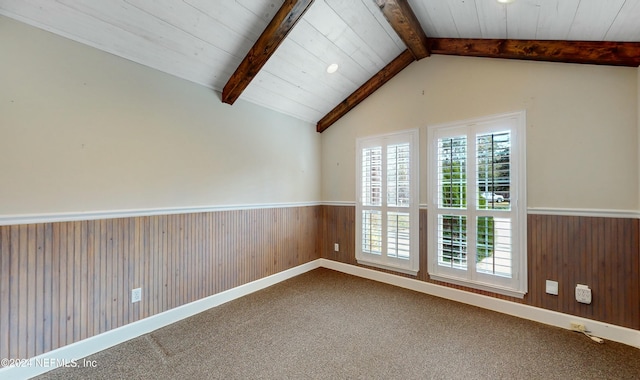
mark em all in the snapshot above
pixel 601 252
pixel 66 281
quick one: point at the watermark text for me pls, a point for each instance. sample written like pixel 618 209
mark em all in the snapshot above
pixel 48 363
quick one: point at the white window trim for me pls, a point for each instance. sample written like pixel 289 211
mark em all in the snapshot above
pixel 410 266
pixel 517 287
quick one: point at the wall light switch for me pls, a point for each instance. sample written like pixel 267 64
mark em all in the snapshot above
pixel 552 287
pixel 336 247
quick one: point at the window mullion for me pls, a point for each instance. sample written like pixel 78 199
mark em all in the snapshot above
pixel 472 195
pixel 383 203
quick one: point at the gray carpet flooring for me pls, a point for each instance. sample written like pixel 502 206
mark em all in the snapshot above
pixel 328 325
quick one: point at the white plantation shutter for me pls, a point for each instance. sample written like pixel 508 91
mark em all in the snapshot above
pixel 398 197
pixel 371 200
pixel 387 206
pixel 452 195
pixel 494 236
pixel 452 172
pixel 493 221
pixel 477 204
pixel 452 241
pixel 398 175
pixel 372 176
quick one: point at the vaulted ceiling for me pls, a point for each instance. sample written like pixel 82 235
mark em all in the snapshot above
pixel 275 53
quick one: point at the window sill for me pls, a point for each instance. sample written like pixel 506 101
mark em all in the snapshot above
pixel 388 267
pixel 480 286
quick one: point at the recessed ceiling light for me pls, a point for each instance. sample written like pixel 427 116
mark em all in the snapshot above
pixel 505 1
pixel 332 68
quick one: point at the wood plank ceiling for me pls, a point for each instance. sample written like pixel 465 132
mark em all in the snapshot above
pixel 207 41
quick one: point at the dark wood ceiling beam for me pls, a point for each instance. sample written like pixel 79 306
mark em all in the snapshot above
pixel 380 78
pixel 401 17
pixel 282 23
pixel 589 52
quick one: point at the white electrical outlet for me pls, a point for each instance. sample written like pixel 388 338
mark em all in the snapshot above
pixel 552 287
pixel 336 247
pixel 136 295
pixel 583 294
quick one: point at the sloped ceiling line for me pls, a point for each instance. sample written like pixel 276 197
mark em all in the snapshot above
pixel 282 23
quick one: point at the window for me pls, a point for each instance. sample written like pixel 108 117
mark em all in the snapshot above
pixel 477 206
pixel 387 204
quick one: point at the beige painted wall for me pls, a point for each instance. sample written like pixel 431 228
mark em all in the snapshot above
pixel 582 125
pixel 83 130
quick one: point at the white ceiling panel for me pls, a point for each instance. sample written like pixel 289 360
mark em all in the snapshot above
pixel 492 18
pixel 626 26
pixel 522 19
pixel 373 32
pixel 204 41
pixel 593 19
pixel 465 17
pixel 435 18
pixel 552 19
